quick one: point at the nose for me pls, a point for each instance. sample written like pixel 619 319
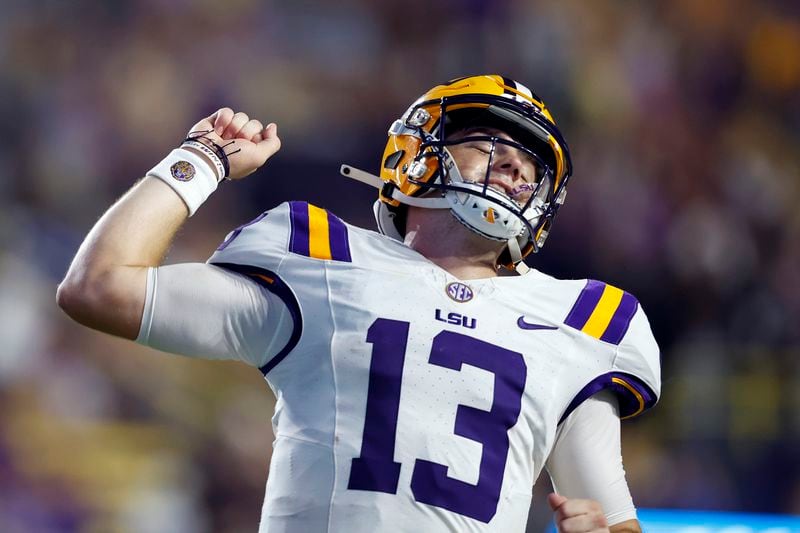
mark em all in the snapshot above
pixel 510 162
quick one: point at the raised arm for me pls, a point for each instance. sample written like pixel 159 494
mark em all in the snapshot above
pixel 105 285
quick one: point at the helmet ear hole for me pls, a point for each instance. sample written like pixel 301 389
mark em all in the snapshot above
pixel 392 160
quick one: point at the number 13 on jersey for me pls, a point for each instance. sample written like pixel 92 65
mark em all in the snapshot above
pixel 376 470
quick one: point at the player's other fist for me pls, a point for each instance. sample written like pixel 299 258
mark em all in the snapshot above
pixel 577 516
pixel 247 142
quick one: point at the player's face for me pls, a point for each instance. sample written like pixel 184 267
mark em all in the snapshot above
pixel 513 172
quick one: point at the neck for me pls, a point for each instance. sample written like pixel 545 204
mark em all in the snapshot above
pixel 444 241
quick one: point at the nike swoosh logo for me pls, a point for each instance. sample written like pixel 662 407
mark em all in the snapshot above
pixel 527 325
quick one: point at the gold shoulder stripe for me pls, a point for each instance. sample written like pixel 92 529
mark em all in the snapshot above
pixel 319 244
pixel 603 312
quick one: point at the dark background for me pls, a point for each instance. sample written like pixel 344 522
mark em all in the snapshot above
pixel 683 118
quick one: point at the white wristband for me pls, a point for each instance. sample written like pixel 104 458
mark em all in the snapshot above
pixel 212 156
pixel 189 175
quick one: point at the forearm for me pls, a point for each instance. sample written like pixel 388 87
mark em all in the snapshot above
pixel 586 462
pixel 105 285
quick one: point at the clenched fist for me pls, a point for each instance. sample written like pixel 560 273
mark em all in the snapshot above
pixel 246 141
pixel 577 516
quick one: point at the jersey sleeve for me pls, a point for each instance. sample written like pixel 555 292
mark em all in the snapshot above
pixel 285 250
pixel 203 311
pixel 616 319
pixel 586 460
pixel 637 368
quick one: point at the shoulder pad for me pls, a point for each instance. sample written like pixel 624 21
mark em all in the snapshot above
pixel 602 311
pixel 614 316
pixel 317 233
pixel 292 227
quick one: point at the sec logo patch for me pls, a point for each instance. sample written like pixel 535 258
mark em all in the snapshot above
pixel 182 171
pixel 459 292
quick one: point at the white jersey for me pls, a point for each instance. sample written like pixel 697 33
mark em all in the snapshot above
pixel 408 400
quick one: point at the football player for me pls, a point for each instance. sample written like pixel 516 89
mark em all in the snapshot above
pixel 416 389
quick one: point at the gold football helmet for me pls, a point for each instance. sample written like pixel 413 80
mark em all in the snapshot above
pixel 417 167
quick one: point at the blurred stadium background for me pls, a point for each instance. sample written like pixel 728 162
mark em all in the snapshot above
pixel 683 118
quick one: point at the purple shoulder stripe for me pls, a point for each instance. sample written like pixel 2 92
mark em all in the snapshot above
pixel 621 319
pixel 298 218
pixel 340 245
pixel 585 304
pixel 317 233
